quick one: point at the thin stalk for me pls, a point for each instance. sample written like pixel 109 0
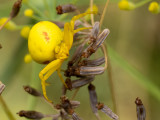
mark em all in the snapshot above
pixel 111 84
pixel 104 12
pixel 47 7
pixel 35 10
pixel 36 18
pixel 141 3
pixel 53 10
pixel 19 27
pixel 75 93
pixel 138 77
pixel 6 109
pixel 105 55
pixel 92 16
pixel 5 23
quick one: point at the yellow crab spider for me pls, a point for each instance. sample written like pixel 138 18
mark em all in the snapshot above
pixel 49 45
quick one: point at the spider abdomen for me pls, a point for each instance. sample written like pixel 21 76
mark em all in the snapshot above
pixel 43 38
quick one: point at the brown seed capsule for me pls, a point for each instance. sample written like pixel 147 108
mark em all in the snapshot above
pixel 2 87
pixel 32 91
pixel 93 98
pixel 65 9
pixel 92 63
pixel 107 111
pixel 86 71
pixel 81 82
pixel 77 54
pixel 94 32
pixel 30 114
pixel 75 104
pixel 92 48
pixel 15 9
pixel 75 116
pixel 141 112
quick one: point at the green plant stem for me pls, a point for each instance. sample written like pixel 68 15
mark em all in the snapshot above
pixel 141 3
pixel 6 109
pixel 139 78
pixel 47 7
pixel 35 10
pixel 111 84
pixel 53 10
pixel 37 18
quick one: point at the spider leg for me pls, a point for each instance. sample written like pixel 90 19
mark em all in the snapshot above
pixel 68 35
pixel 79 16
pixel 46 73
pixel 80 29
pixel 60 76
pixel 69 32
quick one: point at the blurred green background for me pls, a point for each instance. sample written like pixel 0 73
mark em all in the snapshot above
pixel 134 36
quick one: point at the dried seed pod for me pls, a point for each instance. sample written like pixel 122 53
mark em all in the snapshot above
pixel 93 99
pixel 64 115
pixel 65 8
pixel 92 63
pixel 94 32
pixel 2 87
pixel 107 111
pixel 141 112
pixel 75 104
pixel 93 47
pixel 30 114
pixel 15 9
pixel 32 91
pixel 75 116
pixel 86 71
pixel 77 53
pixel 81 82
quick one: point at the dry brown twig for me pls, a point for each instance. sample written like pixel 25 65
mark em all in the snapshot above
pixel 15 10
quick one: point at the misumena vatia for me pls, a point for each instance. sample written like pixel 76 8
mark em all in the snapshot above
pixel 47 44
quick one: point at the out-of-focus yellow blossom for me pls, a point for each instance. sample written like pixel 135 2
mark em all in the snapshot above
pixel 28 12
pixel 94 8
pixel 27 58
pixel 126 5
pixel 10 25
pixel 25 31
pixel 154 8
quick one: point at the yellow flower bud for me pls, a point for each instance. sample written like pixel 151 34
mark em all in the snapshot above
pixel 126 5
pixel 94 8
pixel 10 25
pixel 25 31
pixel 28 12
pixel 154 8
pixel 27 58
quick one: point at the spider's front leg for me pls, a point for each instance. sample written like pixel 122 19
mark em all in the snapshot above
pixel 47 72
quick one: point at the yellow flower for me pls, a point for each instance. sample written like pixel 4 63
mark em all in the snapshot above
pixel 94 8
pixel 25 31
pixel 126 5
pixel 154 7
pixel 10 25
pixel 27 58
pixel 28 12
